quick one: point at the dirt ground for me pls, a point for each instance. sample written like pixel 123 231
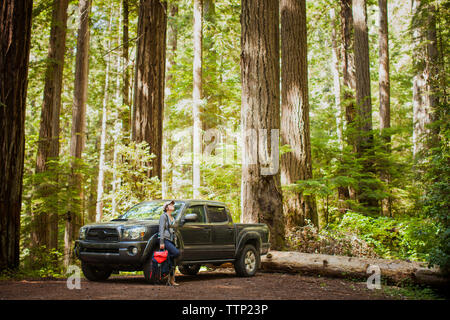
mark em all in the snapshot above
pixel 219 284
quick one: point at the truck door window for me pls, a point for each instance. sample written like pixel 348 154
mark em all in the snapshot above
pixel 217 214
pixel 199 211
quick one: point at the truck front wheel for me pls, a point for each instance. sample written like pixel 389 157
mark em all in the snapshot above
pixel 248 261
pixel 94 273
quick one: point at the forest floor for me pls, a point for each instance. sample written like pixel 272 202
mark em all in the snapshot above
pixel 219 284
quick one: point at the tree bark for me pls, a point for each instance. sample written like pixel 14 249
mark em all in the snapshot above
pixel 45 221
pixel 425 81
pixel 348 85
pixel 78 131
pixel 15 35
pixel 171 58
pixel 101 163
pixel 150 79
pixel 384 84
pixel 362 73
pixel 336 79
pixel 364 138
pixel 126 108
pixel 348 66
pixel 295 165
pixel 172 40
pixel 197 95
pixel 260 117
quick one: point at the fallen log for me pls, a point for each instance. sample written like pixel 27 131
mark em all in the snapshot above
pixel 391 271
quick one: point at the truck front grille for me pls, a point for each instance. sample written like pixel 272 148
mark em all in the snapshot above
pixel 103 234
pixel 97 250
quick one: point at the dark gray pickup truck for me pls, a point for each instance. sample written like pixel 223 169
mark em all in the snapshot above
pixel 205 233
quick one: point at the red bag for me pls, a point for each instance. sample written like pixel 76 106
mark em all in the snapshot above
pixel 160 256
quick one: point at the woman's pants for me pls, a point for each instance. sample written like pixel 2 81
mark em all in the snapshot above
pixel 173 253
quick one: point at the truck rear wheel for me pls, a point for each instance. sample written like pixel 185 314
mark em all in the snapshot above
pixel 248 261
pixel 94 273
pixel 190 269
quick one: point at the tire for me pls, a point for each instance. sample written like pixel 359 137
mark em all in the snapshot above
pixel 94 273
pixel 248 262
pixel 190 269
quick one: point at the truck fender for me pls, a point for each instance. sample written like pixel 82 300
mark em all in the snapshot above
pixel 151 244
pixel 246 238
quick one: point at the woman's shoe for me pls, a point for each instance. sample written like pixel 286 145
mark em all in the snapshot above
pixel 172 281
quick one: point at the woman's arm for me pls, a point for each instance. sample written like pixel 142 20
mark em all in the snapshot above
pixel 162 228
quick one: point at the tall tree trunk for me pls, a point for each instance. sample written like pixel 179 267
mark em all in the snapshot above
pixel 45 221
pixel 172 40
pixel 348 65
pixel 78 132
pixel 170 84
pixel 126 108
pixel 150 79
pixel 349 83
pixel 343 193
pixel 101 163
pixel 210 73
pixel 425 82
pixel 336 79
pixel 260 117
pixel 295 165
pixel 197 95
pixel 364 139
pixel 15 35
pixel 385 108
pixel 362 73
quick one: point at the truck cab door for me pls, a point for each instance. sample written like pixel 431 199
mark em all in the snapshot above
pixel 223 232
pixel 196 236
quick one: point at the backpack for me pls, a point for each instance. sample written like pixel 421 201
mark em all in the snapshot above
pixel 160 266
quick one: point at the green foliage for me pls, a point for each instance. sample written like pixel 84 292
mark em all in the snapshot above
pixel 401 238
pixel 220 184
pixel 436 199
pixel 130 175
pixel 42 262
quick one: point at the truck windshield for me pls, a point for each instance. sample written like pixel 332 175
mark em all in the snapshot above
pixel 149 211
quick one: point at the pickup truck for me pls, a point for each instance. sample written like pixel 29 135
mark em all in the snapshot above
pixel 204 230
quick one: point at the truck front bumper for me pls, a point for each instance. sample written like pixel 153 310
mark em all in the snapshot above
pixel 122 253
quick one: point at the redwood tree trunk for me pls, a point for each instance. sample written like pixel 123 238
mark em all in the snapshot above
pixel 197 95
pixel 150 79
pixel 260 76
pixel 348 82
pixel 295 165
pixel 48 147
pixel 77 141
pixel 384 84
pixel 126 114
pixel 362 73
pixel 170 84
pixel 364 138
pixel 15 35
pixel 348 64
pixel 425 81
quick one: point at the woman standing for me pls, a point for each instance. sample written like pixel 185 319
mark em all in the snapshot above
pixel 167 237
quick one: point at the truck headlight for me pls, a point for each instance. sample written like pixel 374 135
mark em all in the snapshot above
pixel 134 233
pixel 83 231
